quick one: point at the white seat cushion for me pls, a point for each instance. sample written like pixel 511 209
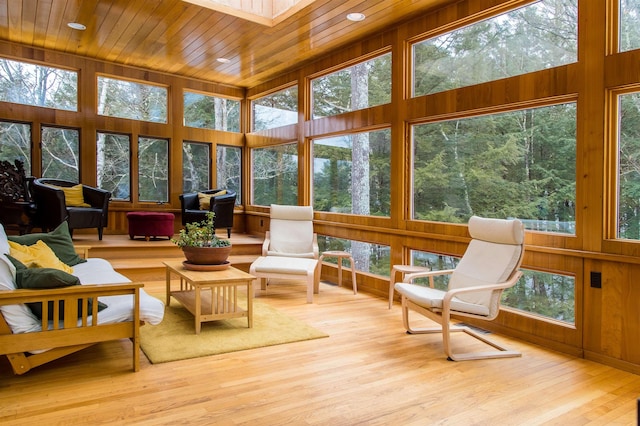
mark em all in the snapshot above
pixel 283 265
pixel 431 298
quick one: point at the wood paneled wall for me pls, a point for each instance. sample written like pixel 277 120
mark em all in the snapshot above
pixel 607 319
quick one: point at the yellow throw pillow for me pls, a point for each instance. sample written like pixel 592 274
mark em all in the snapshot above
pixel 205 199
pixel 73 196
pixel 38 255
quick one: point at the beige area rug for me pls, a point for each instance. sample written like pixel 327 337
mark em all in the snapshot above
pixel 175 339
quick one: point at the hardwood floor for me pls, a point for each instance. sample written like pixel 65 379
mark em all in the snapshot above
pixel 367 372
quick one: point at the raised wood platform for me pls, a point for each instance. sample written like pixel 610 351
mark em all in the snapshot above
pixel 141 260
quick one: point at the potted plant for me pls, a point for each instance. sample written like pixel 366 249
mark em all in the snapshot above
pixel 200 244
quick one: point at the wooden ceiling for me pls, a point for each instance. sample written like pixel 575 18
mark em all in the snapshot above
pixel 186 39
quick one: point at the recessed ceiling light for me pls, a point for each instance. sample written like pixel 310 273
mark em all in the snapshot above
pixel 356 17
pixel 76 26
pixel 223 60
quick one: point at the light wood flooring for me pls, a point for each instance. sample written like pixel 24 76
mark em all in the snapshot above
pixel 368 372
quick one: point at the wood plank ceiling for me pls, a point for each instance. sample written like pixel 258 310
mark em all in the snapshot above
pixel 186 39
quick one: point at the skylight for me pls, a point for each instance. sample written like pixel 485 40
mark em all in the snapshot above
pixel 265 12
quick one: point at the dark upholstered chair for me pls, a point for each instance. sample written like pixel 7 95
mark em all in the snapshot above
pixel 17 209
pixel 221 205
pixel 52 208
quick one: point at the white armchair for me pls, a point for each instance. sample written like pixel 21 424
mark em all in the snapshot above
pixel 489 265
pixel 290 249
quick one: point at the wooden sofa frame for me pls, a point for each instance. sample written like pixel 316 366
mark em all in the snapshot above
pixel 70 337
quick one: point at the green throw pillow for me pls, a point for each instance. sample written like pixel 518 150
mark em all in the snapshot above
pixel 59 240
pixel 45 278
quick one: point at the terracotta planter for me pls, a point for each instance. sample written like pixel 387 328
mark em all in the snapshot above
pixel 206 255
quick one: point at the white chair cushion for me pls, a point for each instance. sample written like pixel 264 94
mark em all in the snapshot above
pixel 283 265
pixel 291 231
pixel 431 298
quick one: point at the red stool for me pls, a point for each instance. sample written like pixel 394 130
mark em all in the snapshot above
pixel 150 224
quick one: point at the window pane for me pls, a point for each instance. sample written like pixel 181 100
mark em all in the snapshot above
pixel 211 112
pixel 61 153
pixel 370 258
pixel 127 99
pixel 628 170
pixel 361 86
pixel 37 85
pixel 629 32
pixel 351 173
pixel 229 169
pixel 517 164
pixel 114 165
pixel 275 175
pixel 275 110
pixel 540 293
pixel 535 37
pixel 15 143
pixel 196 166
pixel 153 173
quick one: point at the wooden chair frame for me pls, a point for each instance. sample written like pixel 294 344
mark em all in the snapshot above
pixel 68 337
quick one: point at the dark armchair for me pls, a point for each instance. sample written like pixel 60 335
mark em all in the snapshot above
pixel 53 209
pixel 17 209
pixel 221 205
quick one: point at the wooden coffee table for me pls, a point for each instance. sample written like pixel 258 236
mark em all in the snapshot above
pixel 210 295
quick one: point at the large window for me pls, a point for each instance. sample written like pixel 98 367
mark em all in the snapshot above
pixel 114 164
pixel 370 258
pixel 629 28
pixel 535 37
pixel 275 175
pixel 351 173
pixel 196 166
pixel 211 112
pixel 517 164
pixel 541 293
pixel 275 110
pixel 61 153
pixel 229 169
pixel 128 99
pixel 153 170
pixel 360 86
pixel 37 85
pixel 629 166
pixel 15 143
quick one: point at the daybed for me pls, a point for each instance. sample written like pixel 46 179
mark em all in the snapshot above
pixel 29 342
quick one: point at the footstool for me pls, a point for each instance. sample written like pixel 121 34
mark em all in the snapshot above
pixel 291 268
pixel 150 224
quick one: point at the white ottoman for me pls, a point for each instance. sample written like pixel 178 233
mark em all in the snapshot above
pixel 292 268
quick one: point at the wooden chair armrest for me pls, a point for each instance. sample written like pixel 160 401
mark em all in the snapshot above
pixel 82 250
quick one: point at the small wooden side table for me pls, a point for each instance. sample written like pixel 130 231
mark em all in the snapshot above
pixel 404 269
pixel 210 295
pixel 342 255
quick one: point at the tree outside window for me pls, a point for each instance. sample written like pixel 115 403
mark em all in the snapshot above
pixel 360 86
pixel 37 85
pixel 538 36
pixel 153 169
pixel 229 169
pixel 15 143
pixel 275 175
pixel 275 110
pixel 128 99
pixel 351 173
pixel 61 153
pixel 114 164
pixel 628 220
pixel 196 166
pixel 211 112
pixel 517 164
